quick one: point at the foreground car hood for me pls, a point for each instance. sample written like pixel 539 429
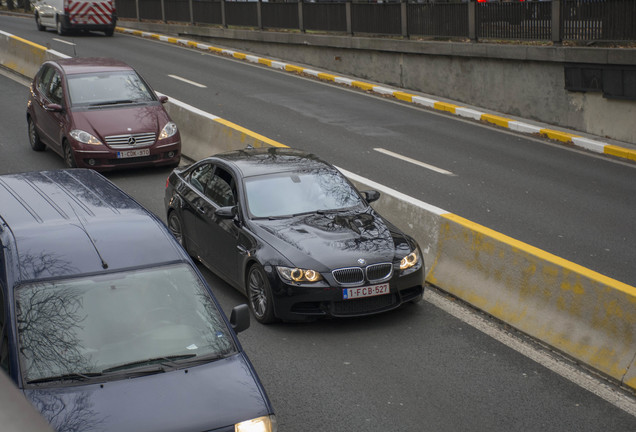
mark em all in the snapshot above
pixel 121 120
pixel 203 398
pixel 334 240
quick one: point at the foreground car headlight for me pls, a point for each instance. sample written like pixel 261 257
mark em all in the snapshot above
pixel 168 130
pixel 260 424
pixel 84 137
pixel 298 275
pixel 410 260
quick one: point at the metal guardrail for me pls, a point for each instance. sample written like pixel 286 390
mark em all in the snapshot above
pixel 535 20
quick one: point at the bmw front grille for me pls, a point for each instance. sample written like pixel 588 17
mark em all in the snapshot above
pixel 374 273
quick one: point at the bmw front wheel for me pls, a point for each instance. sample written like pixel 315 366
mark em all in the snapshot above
pixel 260 295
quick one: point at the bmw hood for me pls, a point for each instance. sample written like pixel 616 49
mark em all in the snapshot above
pixel 334 240
pixel 121 120
pixel 201 398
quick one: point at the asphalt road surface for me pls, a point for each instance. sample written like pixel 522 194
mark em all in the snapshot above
pixel 419 368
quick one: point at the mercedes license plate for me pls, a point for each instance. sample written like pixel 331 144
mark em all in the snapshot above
pixel 133 153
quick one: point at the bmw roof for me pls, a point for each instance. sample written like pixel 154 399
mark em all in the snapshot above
pixel 268 160
pixel 68 222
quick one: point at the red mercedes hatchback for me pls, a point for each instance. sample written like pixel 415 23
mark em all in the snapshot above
pixel 100 113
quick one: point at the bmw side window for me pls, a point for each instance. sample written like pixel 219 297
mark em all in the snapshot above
pixel 200 176
pixel 55 88
pixel 219 188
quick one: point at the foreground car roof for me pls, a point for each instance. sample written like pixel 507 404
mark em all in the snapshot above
pixel 252 162
pixel 70 222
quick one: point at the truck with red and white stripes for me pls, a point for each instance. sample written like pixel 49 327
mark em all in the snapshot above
pixel 68 15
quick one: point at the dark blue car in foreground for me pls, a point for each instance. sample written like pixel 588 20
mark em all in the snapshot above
pixel 106 323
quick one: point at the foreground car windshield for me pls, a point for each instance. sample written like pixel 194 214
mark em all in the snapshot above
pixel 290 193
pixel 107 88
pixel 115 321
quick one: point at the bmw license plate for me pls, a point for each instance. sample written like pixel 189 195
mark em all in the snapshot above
pixel 367 291
pixel 133 153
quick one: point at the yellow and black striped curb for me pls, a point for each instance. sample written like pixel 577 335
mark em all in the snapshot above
pixel 518 126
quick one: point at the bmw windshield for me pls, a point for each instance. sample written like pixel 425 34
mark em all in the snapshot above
pixel 90 326
pixel 291 193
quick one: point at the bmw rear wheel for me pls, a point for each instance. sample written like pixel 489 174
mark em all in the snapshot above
pixel 260 295
pixel 34 137
pixel 176 228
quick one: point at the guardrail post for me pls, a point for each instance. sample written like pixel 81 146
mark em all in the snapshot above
pixel 259 14
pixel 404 19
pixel 223 20
pixel 348 17
pixel 163 11
pixel 301 20
pixel 472 21
pixel 557 28
pixel 191 11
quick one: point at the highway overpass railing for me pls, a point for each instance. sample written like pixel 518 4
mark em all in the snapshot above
pixel 530 20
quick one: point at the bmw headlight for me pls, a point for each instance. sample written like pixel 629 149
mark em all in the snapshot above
pixel 168 130
pixel 410 260
pixel 298 275
pixel 260 424
pixel 84 137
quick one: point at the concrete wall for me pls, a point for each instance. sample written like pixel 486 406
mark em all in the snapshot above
pixel 583 314
pixel 519 80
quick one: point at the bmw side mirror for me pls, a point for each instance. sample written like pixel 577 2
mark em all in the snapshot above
pixel 53 107
pixel 226 212
pixel 371 196
pixel 163 99
pixel 240 318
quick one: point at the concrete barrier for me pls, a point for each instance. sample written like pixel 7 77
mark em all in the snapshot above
pixel 22 56
pixel 581 313
pixel 584 314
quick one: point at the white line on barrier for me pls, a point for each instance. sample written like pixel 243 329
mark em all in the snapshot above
pixel 58 54
pixel 392 192
pixel 196 84
pixel 414 161
pixel 190 107
pixel 63 41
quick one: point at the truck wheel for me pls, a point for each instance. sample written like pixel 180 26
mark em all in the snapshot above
pixel 60 27
pixel 38 23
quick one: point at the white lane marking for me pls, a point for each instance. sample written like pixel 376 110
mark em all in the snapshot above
pixel 413 161
pixel 187 81
pixel 542 355
pixel 63 41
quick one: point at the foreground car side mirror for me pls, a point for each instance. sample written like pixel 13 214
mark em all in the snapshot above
pixel 163 99
pixel 240 318
pixel 53 107
pixel 371 195
pixel 226 212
